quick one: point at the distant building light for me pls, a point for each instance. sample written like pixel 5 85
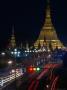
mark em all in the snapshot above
pixel 49 56
pixel 18 55
pixel 39 50
pixel 36 51
pixel 26 54
pixel 15 50
pixel 3 53
pixel 44 49
pixel 11 52
pixel 33 50
pixel 25 51
pixel 18 52
pixel 48 50
pixel 30 50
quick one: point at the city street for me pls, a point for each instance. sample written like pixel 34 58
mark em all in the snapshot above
pixel 37 81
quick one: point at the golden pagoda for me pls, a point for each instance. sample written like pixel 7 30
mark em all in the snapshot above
pixel 48 34
pixel 12 41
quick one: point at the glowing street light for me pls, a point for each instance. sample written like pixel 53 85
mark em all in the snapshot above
pixel 49 56
pixel 13 71
pixel 47 86
pixel 15 50
pixel 9 62
pixel 3 53
pixel 12 53
pixel 16 53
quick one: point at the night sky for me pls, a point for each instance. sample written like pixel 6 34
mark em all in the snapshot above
pixel 27 16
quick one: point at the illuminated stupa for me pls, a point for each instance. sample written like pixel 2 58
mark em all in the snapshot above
pixel 48 34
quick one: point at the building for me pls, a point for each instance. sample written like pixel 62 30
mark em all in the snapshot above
pixel 48 34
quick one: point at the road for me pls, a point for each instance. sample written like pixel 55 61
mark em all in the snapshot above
pixel 42 80
pixel 24 80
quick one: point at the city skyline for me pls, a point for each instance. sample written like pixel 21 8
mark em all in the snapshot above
pixel 29 18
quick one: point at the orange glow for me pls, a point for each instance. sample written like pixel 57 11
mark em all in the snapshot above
pixel 34 69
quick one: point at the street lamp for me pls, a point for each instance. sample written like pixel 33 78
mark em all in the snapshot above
pixel 13 71
pixel 3 53
pixel 47 86
pixel 10 62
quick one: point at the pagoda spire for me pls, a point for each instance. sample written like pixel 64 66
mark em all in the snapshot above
pixel 13 30
pixel 12 41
